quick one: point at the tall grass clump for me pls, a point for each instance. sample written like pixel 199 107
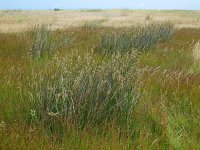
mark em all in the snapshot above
pixel 196 52
pixel 137 37
pixel 84 92
pixel 91 25
pixel 44 40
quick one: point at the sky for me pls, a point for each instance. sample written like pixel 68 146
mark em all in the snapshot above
pixel 100 4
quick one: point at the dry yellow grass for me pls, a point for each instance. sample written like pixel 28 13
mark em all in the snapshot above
pixel 16 21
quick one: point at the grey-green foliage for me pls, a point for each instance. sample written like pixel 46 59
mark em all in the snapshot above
pixel 84 92
pixel 91 25
pixel 44 40
pixel 137 37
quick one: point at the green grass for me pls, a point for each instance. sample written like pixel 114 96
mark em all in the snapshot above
pixel 77 98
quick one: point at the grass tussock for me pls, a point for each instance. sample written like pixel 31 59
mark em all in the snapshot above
pixel 44 40
pixel 140 38
pixel 85 94
pixel 196 52
pixel 92 25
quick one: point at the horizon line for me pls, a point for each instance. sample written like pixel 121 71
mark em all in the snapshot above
pixel 99 9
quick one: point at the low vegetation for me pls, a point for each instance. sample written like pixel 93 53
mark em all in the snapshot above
pixel 141 93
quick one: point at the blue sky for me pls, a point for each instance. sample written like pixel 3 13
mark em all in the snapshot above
pixel 100 4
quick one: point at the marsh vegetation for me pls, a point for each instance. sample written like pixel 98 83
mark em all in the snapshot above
pixel 100 87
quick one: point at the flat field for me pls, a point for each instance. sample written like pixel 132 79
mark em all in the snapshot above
pixel 99 79
pixel 20 20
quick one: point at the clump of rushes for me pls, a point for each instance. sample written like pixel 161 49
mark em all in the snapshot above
pixel 196 52
pixel 43 40
pixel 91 25
pixel 137 37
pixel 85 92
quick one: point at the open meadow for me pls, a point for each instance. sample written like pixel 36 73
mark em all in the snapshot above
pixel 99 79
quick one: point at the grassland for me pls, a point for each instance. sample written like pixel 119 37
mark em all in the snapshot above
pixel 93 85
pixel 21 20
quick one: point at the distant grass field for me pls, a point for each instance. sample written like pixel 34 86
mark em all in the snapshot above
pixel 21 20
pixel 95 86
